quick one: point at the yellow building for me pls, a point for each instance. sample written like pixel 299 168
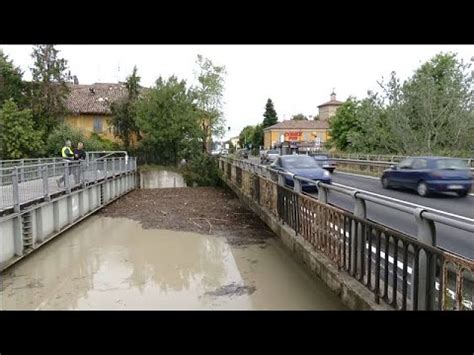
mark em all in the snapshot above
pixel 89 107
pixel 313 132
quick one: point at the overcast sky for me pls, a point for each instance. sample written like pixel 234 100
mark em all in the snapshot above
pixel 296 77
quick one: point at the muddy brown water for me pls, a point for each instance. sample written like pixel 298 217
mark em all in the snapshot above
pixel 113 263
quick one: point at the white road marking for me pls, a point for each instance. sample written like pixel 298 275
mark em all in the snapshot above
pixel 358 175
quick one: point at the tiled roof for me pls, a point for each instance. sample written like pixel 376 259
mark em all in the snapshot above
pixel 332 103
pixel 95 98
pixel 300 124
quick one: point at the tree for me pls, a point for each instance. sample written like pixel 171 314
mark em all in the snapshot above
pixel 258 135
pixel 246 136
pixel 63 132
pixel 209 95
pixel 18 137
pixel 270 116
pixel 49 88
pixel 430 113
pixel 439 102
pixel 168 119
pixel 124 111
pixel 299 117
pixel 11 83
pixel 344 122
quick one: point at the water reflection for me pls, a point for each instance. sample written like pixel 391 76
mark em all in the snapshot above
pixel 112 263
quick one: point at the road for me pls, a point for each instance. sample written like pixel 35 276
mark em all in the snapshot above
pixel 452 239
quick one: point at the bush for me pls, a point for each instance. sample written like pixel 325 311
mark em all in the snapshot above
pixel 201 170
pixel 64 132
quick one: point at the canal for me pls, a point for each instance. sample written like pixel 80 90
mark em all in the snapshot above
pixel 113 263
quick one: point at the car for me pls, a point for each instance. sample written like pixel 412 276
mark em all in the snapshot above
pixel 216 152
pixel 304 166
pixel 243 153
pixel 224 152
pixel 324 161
pixel 429 175
pixel 269 156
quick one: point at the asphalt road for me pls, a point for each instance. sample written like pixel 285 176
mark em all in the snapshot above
pixel 452 239
pixel 449 238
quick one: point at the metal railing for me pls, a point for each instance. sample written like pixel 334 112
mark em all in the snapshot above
pixel 385 160
pixel 404 272
pixel 26 183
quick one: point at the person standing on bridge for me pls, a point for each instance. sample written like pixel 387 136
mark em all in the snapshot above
pixel 79 157
pixel 68 155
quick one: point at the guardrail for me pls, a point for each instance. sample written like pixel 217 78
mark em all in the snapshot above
pixel 381 158
pixel 23 184
pixel 405 272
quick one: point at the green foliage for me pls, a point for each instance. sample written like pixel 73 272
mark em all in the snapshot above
pixel 209 95
pixel 430 113
pixel 251 135
pixel 49 88
pixel 201 170
pixel 168 119
pixel 64 132
pixel 299 117
pixel 270 116
pixel 11 84
pixel 124 111
pixel 344 122
pixel 258 136
pixel 18 137
pixel 246 136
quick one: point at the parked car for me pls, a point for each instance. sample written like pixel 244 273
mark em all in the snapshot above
pixel 304 166
pixel 243 153
pixel 269 156
pixel 224 152
pixel 216 152
pixel 324 161
pixel 428 175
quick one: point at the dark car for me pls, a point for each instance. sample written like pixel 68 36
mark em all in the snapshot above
pixel 427 175
pixel 304 166
pixel 325 162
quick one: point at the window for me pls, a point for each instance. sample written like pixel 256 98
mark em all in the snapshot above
pixel 98 125
pixel 420 164
pixel 406 164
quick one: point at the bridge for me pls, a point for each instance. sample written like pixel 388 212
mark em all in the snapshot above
pixel 403 252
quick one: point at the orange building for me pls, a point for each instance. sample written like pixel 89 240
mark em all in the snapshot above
pixel 89 107
pixel 309 131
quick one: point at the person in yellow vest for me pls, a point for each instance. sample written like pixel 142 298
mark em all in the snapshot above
pixel 68 156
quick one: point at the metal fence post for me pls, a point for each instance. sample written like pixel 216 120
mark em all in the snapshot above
pixel 66 177
pixel 297 185
pixel 16 196
pixel 94 166
pixel 44 172
pixel 322 193
pixel 105 169
pixel 358 243
pixel 82 172
pixel 426 275
pixel 281 179
pixel 22 167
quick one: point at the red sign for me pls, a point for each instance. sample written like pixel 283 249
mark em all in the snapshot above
pixel 293 135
